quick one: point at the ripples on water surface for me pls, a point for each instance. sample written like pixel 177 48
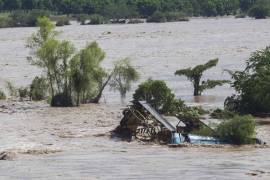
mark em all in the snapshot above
pixel 157 50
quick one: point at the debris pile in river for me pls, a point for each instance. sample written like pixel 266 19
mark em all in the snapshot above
pixel 143 122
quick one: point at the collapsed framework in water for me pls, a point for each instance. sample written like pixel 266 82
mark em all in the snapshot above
pixel 141 121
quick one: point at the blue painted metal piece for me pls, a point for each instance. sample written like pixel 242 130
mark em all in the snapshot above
pixel 194 139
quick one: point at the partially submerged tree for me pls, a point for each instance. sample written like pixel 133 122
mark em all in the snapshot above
pixel 87 74
pixel 156 93
pixel 195 75
pixel 123 76
pixel 252 85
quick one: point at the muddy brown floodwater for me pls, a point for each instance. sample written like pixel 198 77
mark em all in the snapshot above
pixel 73 143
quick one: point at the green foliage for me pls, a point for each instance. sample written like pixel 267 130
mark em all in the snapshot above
pixel 156 93
pixel 87 75
pixel 20 18
pixel 252 85
pixel 203 131
pixel 195 75
pixel 159 17
pixel 63 21
pixel 96 19
pixel 11 89
pixel 238 130
pixel 23 92
pixel 222 114
pixel 5 21
pixel 38 89
pixel 117 9
pixel 123 75
pixel 260 10
pixel 2 95
pixel 175 16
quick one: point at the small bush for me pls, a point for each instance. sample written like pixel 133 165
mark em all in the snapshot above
pixel 2 95
pixel 63 21
pixel 38 89
pixel 238 130
pixel 23 92
pixel 96 19
pixel 259 11
pixel 5 21
pixel 222 114
pixel 157 17
pixel 11 89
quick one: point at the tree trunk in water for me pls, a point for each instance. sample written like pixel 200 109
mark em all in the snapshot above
pixel 51 84
pixel 197 87
pixel 98 97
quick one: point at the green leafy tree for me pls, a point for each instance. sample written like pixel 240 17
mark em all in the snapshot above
pixel 195 74
pixel 123 76
pixel 156 93
pixel 87 73
pixel 252 85
pixel 52 56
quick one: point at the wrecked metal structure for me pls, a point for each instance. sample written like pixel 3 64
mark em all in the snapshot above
pixel 143 122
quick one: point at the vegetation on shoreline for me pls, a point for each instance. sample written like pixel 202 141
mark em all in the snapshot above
pixel 24 13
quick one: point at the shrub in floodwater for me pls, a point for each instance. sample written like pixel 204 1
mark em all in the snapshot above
pixel 157 17
pixel 156 93
pixel 63 21
pixel 11 89
pixel 62 100
pixel 2 95
pixel 23 92
pixel 96 19
pixel 38 89
pixel 222 114
pixel 238 130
